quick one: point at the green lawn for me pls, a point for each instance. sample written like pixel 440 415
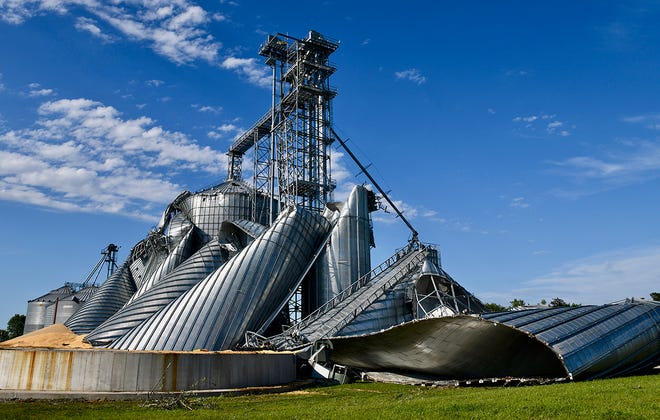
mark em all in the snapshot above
pixel 629 398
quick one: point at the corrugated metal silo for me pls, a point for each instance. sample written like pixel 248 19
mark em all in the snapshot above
pixel 347 256
pixel 240 296
pixel 109 298
pixel 231 200
pixel 180 280
pixel 37 311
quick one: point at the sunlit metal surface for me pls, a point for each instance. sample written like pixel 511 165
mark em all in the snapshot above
pixel 37 312
pixel 594 341
pixel 216 313
pixel 180 280
pixel 348 254
pixel 185 247
pixel 578 342
pixel 107 300
pixel 231 200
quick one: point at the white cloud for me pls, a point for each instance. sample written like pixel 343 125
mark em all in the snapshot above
pixel 651 121
pixel 411 74
pixel 223 130
pixel 207 108
pixel 519 202
pixel 90 25
pixel 249 68
pixel 154 83
pixel 41 92
pixel 2 86
pixel 175 30
pixel 599 279
pixel 81 155
pixel 640 158
pixel 534 121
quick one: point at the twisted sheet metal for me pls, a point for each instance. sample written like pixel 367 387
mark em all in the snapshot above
pixel 583 343
pixel 347 257
pixel 148 261
pixel 185 247
pixel 107 300
pixel 217 312
pixel 456 347
pixel 594 341
pixel 231 200
pixel 195 269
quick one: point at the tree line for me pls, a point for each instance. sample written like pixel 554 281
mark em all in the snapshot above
pixel 556 302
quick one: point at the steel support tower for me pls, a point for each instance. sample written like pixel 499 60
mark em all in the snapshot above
pixel 291 142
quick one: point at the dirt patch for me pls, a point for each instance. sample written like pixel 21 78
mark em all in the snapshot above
pixel 56 336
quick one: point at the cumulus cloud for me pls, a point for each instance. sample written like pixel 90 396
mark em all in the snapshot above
pixel 91 26
pixel 175 30
pixel 250 69
pixel 225 130
pixel 411 74
pixel 81 155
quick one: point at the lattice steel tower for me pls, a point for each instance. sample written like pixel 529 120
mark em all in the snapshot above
pixel 291 143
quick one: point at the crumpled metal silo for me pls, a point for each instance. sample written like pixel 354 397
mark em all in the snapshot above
pixel 347 257
pixel 195 269
pixel 107 300
pixel 185 247
pixel 240 296
pixel 231 200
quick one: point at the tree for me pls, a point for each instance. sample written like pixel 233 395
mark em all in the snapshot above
pixel 515 303
pixel 655 296
pixel 15 325
pixel 494 307
pixel 4 335
pixel 556 302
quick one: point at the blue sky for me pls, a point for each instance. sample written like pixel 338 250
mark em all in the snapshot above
pixel 521 137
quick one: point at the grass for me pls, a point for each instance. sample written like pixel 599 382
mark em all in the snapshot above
pixel 630 398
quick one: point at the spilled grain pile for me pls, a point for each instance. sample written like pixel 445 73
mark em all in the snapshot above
pixel 53 337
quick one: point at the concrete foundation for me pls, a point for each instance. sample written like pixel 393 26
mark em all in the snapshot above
pixel 130 371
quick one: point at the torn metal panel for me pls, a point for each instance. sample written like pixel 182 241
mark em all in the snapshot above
pixel 579 342
pixel 185 247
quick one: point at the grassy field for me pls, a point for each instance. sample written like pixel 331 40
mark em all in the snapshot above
pixel 629 398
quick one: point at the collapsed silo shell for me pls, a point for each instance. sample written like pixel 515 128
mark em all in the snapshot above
pixel 583 342
pixel 347 257
pixel 180 280
pixel 107 300
pixel 231 200
pixel 185 247
pixel 37 311
pixel 241 295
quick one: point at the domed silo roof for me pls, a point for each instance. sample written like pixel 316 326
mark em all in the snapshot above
pixel 231 200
